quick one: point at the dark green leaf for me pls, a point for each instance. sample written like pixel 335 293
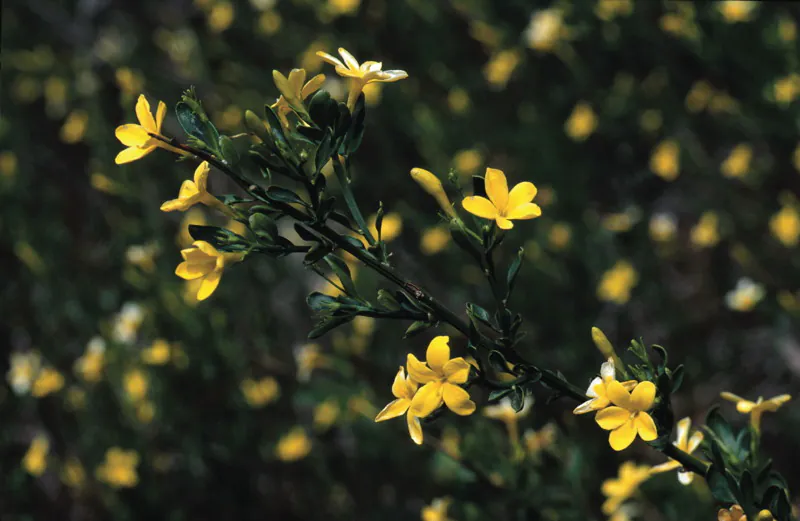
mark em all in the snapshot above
pixel 497 394
pixel 517 398
pixel 327 324
pixel 719 484
pixel 415 328
pixel 283 195
pixel 498 361
pixel 513 271
pixel 322 303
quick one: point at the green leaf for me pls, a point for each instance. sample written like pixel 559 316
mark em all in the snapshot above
pixel 342 271
pixel 719 483
pixel 327 324
pixel 386 300
pixel 355 132
pixel 283 195
pixel 677 378
pixel 228 151
pixel 192 124
pixel 220 238
pixel 498 361
pixel 263 226
pixel 517 398
pixel 513 271
pixel 322 109
pixel 716 423
pixel 322 303
pixel 415 328
pixel 498 394
pixel 747 491
pixel 316 254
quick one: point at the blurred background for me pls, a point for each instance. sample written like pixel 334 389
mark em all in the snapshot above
pixel 663 137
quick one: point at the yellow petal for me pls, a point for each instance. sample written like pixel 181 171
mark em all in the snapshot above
pixel 392 76
pixel 399 384
pixel 457 400
pixel 132 135
pixel 201 176
pixel 393 410
pixel 621 437
pixel 349 60
pixel 523 211
pixel 209 284
pixel 144 115
pixel 694 442
pixel 732 397
pixel 685 478
pixel 612 417
pixel 438 353
pixel 414 428
pixel 160 113
pixel 480 206
pixel 682 437
pixel 132 154
pixel 206 248
pixel 313 85
pixel 618 395
pixel 643 396
pixel 665 467
pixel 418 371
pixel 427 399
pixel 330 59
pixel 497 188
pixel 585 407
pixel 522 193
pixel 175 205
pixel 503 223
pixel 646 427
pixel 724 515
pixel 296 79
pixel 777 401
pixel 188 271
pixel 457 370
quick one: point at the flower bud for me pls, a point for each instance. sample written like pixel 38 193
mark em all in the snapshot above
pixel 431 184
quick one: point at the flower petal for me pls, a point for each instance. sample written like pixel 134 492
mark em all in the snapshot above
pixel 682 428
pixel 643 396
pixel 497 188
pixel 175 204
pixel 201 176
pixel 685 477
pixel 418 371
pixel 621 437
pixel 161 112
pixel 592 390
pixel 585 407
pixel 189 271
pixel 774 403
pixel 480 206
pixel 132 154
pixel 393 409
pixel 645 426
pixel 665 467
pixel 132 135
pixel 457 370
pixel 608 371
pixel 206 248
pixel 612 417
pixel 392 76
pixel 695 441
pixel 348 58
pixel 503 223
pixel 399 384
pixel 457 400
pixel 312 85
pixel 522 193
pixel 618 395
pixel 330 59
pixel 427 399
pixel 414 428
pixel 209 284
pixel 523 211
pixel 438 353
pixel 144 114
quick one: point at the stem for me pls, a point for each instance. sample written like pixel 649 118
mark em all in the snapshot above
pixel 355 211
pixel 688 461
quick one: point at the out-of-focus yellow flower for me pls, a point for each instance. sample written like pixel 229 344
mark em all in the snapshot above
pixel 269 22
pixel 220 16
pixel 203 261
pixel 434 240
pixel 127 322
pixel 35 460
pixel 581 123
pixel 391 226
pixel 294 445
pixel 651 120
pixel 437 510
pixel 545 29
pixel 628 417
pixel 757 408
pixel 734 11
pixel 359 405
pixel 722 102
pixel 91 363
pixel 74 127
pixel 559 236
pixel 76 398
pixel 404 388
pixel 598 388
pixel 484 33
pixel 537 441
pixel 431 184
pixel 663 227
pixel 665 160
pixel 467 161
pixel 158 353
pixel 8 164
pixel 500 67
pixel 137 137
pixel 103 184
pixel 29 257
pixel 685 443
pixel 55 95
pixel 142 256
pixel 451 442
pixel 503 206
pixel 738 162
pixel 360 74
pixel 24 367
pixel 621 221
pixel 618 490
pixel 48 381
pixel 325 414
pixel 343 7
pixel 308 357
pixel 785 90
pixel 735 513
pixel 441 379
pixel 119 468
pixel 787 29
pixel 194 192
pixel 506 414
pixel 745 295
pixel 616 284
pixel 129 82
pixel 785 225
pixel 72 473
pixel 458 100
pixel 607 10
pixel 698 96
pixel 705 233
pixel 259 393
pixel 145 411
pixel 135 384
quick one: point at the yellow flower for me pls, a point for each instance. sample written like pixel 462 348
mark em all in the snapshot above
pixel 607 10
pixel 193 216
pixel 35 460
pixel 685 443
pixel 787 29
pixel 506 414
pixel 735 513
pixel 617 283
pixel 326 414
pixel 158 353
pixel 737 10
pixel 619 489
pixel 431 184
pixel 559 236
pixel 500 67
pixel 440 378
pixel 90 365
pixel 628 416
pixel 119 468
pixel 74 127
pixel 437 510
pixel 458 100
pixel 203 261
pixel 706 232
pixel 545 29
pixel 663 227
pixel 307 358
pixel 537 441
pixel 360 74
pixel 294 91
pixel 738 162
pixel 220 17
pixel 745 295
pixel 135 384
pixel 145 411
pixel 23 370
pixel 581 123
pixel 598 389
pixel 294 445
pixel 434 240
pixel 451 441
pixel 48 381
pixel 259 393
pixel 142 256
pixel 503 206
pixel 467 161
pixel 757 408
pixel 665 161
pixel 127 322
pixel 404 389
pixel 391 226
pixel 72 473
pixel 194 192
pixel 698 96
pixel 785 225
pixel 340 7
pixel 8 164
pixel 137 137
